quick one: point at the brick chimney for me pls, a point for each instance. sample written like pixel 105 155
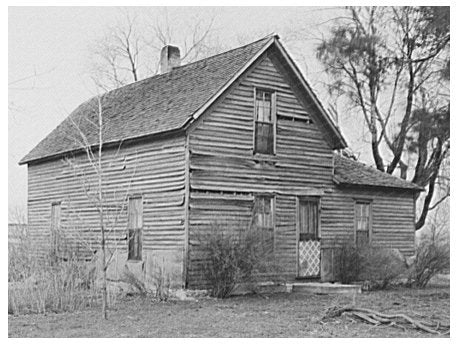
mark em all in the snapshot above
pixel 170 57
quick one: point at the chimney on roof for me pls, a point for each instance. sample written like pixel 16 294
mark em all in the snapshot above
pixel 170 58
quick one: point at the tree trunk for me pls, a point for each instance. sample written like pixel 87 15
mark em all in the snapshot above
pixel 104 267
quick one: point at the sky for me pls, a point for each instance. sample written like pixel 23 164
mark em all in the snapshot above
pixel 49 57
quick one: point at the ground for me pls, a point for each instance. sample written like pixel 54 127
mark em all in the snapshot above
pixel 274 315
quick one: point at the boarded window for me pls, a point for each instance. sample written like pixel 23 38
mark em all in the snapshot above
pixel 55 226
pixel 308 219
pixel 264 130
pixel 363 225
pixel 134 228
pixel 264 217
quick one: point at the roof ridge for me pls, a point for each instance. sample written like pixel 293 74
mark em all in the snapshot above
pixel 225 52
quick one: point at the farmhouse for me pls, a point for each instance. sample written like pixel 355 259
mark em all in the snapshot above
pixel 233 138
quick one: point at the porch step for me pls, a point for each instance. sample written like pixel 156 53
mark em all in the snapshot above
pixel 325 288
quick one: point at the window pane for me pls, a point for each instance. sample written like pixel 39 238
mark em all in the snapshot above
pixel 134 225
pixel 362 238
pixel 264 140
pixel 362 222
pixel 308 219
pixel 263 212
pixel 135 213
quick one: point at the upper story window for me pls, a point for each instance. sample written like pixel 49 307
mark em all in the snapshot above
pixel 363 222
pixel 134 228
pixel 265 122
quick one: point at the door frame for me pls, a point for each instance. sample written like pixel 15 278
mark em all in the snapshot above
pixel 316 199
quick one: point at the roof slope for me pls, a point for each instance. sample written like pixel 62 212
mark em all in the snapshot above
pixel 157 104
pixel 348 171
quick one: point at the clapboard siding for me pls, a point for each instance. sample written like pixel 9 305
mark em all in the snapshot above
pixel 154 169
pixel 393 217
pixel 222 161
pixel 224 176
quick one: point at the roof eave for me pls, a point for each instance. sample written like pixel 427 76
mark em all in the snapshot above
pixel 108 144
pixel 340 182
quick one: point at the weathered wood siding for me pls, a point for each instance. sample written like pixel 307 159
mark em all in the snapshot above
pixel 393 221
pixel 154 169
pixel 393 217
pixel 225 175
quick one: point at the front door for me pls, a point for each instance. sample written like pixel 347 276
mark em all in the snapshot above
pixel 308 241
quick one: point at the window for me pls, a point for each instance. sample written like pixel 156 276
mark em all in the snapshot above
pixel 55 226
pixel 264 127
pixel 363 222
pixel 264 217
pixel 308 219
pixel 134 228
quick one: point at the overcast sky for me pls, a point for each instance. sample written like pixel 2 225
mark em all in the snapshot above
pixel 53 44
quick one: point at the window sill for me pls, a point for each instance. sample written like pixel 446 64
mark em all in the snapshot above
pixel 265 157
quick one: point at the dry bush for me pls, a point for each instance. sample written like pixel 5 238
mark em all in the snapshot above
pixel 432 254
pixel 162 282
pixel 20 260
pixel 65 286
pixel 40 284
pixel 348 262
pixel 379 267
pixel 236 255
pixel 130 278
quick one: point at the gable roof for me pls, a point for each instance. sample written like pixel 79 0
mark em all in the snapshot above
pixel 158 104
pixel 351 172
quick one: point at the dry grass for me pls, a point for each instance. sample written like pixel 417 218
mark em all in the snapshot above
pixel 47 284
pixel 279 315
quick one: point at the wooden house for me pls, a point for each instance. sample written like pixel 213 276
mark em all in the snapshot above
pixel 213 140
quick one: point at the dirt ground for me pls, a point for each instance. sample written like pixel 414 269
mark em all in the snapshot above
pixel 274 315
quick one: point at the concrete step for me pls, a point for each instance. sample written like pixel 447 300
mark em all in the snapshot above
pixel 325 288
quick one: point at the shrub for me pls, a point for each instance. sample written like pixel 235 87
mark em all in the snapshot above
pixel 162 282
pixel 65 286
pixel 431 259
pixel 432 254
pixel 379 267
pixel 236 256
pixel 348 262
pixel 39 284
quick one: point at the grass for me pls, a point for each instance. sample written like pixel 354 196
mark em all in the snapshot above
pixel 279 315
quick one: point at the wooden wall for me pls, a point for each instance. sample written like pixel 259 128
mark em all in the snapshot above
pixel 214 172
pixel 156 170
pixel 225 175
pixel 393 221
pixel 393 216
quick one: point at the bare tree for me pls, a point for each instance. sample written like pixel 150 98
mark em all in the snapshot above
pixel 129 51
pixel 90 169
pixel 390 65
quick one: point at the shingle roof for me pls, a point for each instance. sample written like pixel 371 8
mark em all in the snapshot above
pixel 351 172
pixel 157 104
